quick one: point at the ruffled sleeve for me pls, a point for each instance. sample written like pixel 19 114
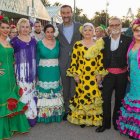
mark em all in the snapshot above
pixel 95 49
pixel 74 67
pixel 96 52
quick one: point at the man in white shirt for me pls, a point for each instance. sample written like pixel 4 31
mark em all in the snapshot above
pixel 114 61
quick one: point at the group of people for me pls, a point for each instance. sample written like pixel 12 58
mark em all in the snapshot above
pixel 49 79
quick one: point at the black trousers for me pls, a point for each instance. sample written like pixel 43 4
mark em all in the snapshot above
pixel 112 82
pixel 68 84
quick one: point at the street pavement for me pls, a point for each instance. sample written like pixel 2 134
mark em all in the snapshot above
pixel 67 131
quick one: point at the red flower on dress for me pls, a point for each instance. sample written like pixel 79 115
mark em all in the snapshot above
pixel 12 103
pixel 20 91
pixel 24 109
pixel 44 115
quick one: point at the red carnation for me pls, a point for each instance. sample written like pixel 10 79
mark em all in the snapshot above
pixel 12 103
pixel 20 92
pixel 1 17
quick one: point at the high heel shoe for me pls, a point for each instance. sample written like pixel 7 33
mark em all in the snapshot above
pixel 82 125
pixel 130 137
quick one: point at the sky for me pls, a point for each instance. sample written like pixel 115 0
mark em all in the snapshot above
pixel 115 8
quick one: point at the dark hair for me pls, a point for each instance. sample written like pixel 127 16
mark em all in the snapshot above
pixel 37 21
pixel 65 6
pixel 49 26
pixel 4 21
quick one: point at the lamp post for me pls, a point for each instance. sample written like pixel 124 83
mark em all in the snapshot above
pixel 74 10
pixel 32 13
pixel 107 4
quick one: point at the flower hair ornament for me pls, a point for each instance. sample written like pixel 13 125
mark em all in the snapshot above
pixel 4 18
pixel 136 23
pixel 86 24
pixel 12 26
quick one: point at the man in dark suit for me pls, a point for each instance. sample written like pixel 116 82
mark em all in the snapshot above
pixel 68 34
pixel 114 60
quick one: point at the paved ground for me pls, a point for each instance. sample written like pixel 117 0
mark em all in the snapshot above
pixel 67 131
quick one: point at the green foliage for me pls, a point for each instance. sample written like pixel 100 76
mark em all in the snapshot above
pixel 46 3
pixel 82 18
pixel 100 18
pixel 126 23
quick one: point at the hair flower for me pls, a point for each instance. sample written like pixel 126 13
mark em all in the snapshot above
pixel 80 29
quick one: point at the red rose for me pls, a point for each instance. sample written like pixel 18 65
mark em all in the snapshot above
pixel 12 103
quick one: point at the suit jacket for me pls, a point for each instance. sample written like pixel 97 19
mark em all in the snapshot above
pixel 65 46
pixel 121 53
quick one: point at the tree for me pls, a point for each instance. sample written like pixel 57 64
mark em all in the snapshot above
pixel 57 4
pixel 77 14
pixel 100 18
pixel 126 22
pixel 138 14
pixel 82 18
pixel 46 3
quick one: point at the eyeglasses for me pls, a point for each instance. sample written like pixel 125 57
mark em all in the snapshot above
pixel 136 30
pixel 114 25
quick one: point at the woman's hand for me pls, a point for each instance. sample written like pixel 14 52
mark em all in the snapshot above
pixel 76 78
pixel 2 72
pixel 128 78
pixel 98 79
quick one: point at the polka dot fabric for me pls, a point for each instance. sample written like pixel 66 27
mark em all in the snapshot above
pixel 86 105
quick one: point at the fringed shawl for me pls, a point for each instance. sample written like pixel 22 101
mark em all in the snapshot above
pixel 25 53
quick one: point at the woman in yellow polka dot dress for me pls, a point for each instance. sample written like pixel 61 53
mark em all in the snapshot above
pixel 86 105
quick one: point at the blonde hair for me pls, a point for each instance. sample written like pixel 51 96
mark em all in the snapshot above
pixel 115 18
pixel 22 20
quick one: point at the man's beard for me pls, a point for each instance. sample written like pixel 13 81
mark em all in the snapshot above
pixel 37 32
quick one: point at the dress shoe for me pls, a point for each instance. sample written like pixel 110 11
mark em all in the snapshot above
pixel 101 129
pixel 65 117
pixel 115 128
pixel 82 126
pixel 130 137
